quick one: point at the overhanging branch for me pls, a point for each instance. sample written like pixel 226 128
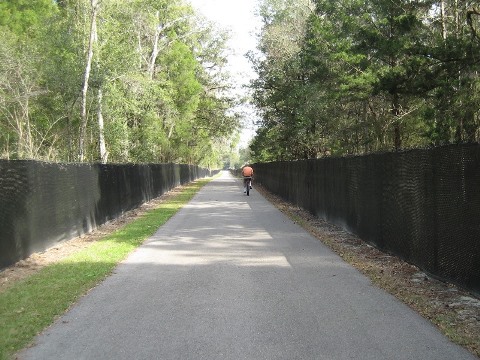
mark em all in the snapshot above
pixel 470 14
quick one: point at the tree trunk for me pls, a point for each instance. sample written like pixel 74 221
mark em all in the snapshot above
pixel 20 141
pixel 397 136
pixel 153 57
pixel 457 19
pixel 444 20
pixel 101 130
pixel 22 119
pixel 28 133
pixel 88 67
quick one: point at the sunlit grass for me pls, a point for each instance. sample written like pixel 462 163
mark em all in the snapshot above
pixel 30 305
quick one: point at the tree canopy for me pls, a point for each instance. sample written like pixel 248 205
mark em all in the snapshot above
pixel 145 80
pixel 116 81
pixel 350 76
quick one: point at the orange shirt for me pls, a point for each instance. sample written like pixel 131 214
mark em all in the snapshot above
pixel 247 171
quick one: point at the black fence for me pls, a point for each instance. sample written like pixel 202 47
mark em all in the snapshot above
pixel 421 205
pixel 42 204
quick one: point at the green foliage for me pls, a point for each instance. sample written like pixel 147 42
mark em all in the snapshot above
pixel 22 17
pixel 181 77
pixel 365 76
pixel 150 64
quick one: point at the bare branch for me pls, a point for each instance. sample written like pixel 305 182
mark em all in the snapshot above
pixel 470 14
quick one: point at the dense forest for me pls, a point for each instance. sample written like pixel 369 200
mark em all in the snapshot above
pixel 356 76
pixel 145 80
pixel 113 81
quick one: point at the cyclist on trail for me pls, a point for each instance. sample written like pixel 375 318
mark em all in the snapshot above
pixel 247 173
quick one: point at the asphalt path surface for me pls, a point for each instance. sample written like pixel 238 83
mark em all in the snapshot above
pixel 230 277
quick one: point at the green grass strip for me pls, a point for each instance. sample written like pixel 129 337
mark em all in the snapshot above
pixel 30 305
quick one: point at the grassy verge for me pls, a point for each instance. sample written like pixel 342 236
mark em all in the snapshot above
pixel 30 305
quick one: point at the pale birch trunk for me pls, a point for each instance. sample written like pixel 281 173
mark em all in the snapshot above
pixel 155 51
pixel 444 20
pixel 25 147
pixel 101 130
pixel 88 66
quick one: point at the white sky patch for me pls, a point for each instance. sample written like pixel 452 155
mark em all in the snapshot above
pixel 238 17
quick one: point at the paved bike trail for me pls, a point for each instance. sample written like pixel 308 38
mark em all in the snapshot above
pixel 230 277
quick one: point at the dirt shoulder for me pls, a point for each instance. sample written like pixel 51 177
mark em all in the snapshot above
pixel 454 311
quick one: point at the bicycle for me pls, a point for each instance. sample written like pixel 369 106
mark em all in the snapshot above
pixel 247 184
